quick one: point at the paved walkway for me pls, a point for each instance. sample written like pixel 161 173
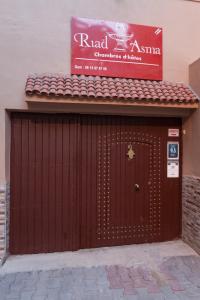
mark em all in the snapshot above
pixel 169 277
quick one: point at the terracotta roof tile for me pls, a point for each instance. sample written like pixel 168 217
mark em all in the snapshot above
pixel 109 88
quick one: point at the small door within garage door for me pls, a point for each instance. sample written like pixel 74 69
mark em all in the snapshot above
pixel 90 181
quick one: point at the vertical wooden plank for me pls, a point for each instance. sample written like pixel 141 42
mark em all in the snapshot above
pixel 52 187
pixel 179 198
pixel 31 211
pixel 45 185
pixel 120 180
pixel 15 191
pixel 66 185
pixel 114 187
pixel 102 187
pixel 59 184
pixel 78 168
pixel 123 181
pixel 129 172
pixel 92 173
pixel 70 173
pixel 146 185
pixel 74 182
pixel 71 183
pixel 89 183
pixel 93 209
pixel 78 176
pixel 24 207
pixel 99 180
pixel 84 182
pixel 39 182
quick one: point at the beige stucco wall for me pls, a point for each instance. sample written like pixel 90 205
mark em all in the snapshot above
pixel 35 37
pixel 192 127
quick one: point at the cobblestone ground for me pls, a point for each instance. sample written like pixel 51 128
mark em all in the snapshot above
pixel 177 278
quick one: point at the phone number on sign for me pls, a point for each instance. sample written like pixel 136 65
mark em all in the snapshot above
pixel 91 68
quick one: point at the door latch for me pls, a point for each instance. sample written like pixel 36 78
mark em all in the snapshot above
pixel 130 153
pixel 137 187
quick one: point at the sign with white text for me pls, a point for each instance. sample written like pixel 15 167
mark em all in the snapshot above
pixel 174 132
pixel 115 49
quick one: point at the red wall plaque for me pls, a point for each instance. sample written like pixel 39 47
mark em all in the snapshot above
pixel 116 49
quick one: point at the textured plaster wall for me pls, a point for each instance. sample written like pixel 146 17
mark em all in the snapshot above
pixel 191 154
pixel 35 37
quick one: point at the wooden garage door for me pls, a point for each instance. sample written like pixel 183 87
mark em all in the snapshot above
pixel 90 181
pixel 44 183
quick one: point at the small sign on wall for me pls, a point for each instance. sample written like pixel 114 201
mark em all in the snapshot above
pixel 172 169
pixel 172 150
pixel 173 132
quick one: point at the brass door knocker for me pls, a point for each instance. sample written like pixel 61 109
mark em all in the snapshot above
pixel 130 153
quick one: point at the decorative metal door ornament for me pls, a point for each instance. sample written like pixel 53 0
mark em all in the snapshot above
pixel 130 153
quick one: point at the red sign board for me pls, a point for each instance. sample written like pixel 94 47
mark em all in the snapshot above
pixel 113 49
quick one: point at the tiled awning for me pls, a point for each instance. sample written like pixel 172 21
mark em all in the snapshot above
pixel 95 89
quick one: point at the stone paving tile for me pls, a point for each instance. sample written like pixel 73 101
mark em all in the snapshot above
pixel 177 278
pixel 39 298
pixel 26 296
pixel 66 296
pixel 168 293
